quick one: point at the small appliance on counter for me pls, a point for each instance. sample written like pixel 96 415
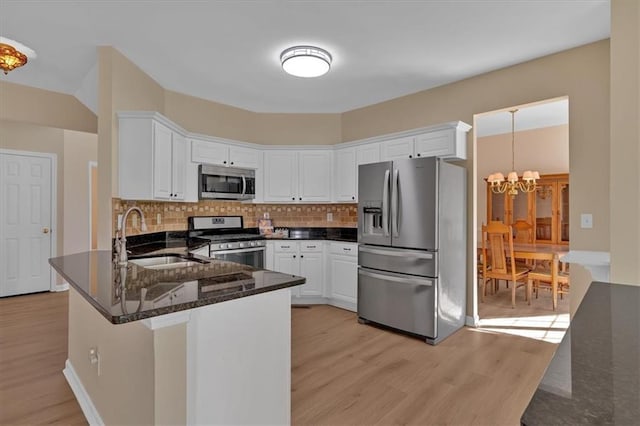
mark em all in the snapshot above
pixel 412 246
pixel 229 240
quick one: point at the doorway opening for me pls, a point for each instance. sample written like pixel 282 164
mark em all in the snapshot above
pixel 536 138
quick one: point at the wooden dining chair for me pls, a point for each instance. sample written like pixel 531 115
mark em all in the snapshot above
pixel 522 232
pixel 543 277
pixel 499 239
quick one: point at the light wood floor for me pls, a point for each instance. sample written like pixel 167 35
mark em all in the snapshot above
pixel 342 372
pixel 33 349
pixel 498 305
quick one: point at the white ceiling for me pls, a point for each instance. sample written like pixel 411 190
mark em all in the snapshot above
pixel 228 51
pixel 526 118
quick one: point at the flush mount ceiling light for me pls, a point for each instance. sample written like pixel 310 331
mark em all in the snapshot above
pixel 13 54
pixel 305 61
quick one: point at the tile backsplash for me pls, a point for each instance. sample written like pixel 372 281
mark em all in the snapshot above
pixel 173 216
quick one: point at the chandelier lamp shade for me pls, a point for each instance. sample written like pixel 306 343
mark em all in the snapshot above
pixel 512 184
pixel 13 54
pixel 305 61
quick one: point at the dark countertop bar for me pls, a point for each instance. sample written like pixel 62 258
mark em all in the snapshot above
pixel 594 376
pixel 133 292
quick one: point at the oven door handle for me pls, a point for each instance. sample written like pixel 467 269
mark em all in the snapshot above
pixel 242 250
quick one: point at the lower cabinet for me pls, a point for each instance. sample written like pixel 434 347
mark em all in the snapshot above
pixel 305 259
pixel 343 269
pixel 330 268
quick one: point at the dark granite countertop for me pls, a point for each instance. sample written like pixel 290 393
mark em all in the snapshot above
pixel 349 235
pixel 133 292
pixel 594 376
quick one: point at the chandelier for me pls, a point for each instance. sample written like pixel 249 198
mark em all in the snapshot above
pixel 13 54
pixel 513 183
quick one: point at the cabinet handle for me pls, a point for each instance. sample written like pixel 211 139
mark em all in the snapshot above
pixel 300 198
pixel 232 163
pixel 293 198
pixel 301 256
pixel 353 198
pixel 346 249
pixel 410 156
pixel 224 162
pixel 285 246
pixel 311 246
pixel 418 156
pixel 294 256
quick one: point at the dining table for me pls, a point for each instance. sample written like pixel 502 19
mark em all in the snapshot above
pixel 551 253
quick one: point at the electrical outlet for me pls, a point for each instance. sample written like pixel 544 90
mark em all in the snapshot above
pixel 94 358
pixel 586 221
pixel 159 219
pixel 329 217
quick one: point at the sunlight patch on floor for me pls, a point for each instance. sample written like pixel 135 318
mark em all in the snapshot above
pixel 549 328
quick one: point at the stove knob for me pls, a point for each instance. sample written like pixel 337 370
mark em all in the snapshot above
pixel 221 246
pixel 253 243
pixel 242 245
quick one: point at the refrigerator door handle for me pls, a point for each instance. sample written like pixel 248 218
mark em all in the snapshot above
pixel 385 204
pixel 415 281
pixel 400 253
pixel 394 203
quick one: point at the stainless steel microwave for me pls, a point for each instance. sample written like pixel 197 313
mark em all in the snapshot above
pixel 226 183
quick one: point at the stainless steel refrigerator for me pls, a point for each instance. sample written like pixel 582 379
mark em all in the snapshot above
pixel 412 246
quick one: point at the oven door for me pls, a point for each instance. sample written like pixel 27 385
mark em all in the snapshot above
pixel 249 256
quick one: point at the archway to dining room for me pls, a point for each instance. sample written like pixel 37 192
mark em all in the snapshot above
pixel 531 137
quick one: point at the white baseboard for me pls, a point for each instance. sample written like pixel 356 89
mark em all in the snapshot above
pixel 61 287
pixel 349 306
pixel 472 321
pixel 88 409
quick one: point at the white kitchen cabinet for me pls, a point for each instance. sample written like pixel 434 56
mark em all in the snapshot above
pixel 221 154
pixel 345 175
pixel 305 259
pixel 369 153
pixel 152 159
pixel 446 141
pixel 343 270
pixel 297 176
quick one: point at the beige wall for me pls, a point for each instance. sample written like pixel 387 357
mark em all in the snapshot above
pixel 625 142
pixel 545 150
pixel 582 74
pixel 80 148
pixel 42 107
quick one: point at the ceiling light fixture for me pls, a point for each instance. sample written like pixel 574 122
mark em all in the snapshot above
pixel 513 183
pixel 13 54
pixel 305 61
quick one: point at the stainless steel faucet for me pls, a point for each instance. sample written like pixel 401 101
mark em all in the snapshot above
pixel 121 239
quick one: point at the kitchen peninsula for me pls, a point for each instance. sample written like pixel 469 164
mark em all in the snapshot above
pixel 201 343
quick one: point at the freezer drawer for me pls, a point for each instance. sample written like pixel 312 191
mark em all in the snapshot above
pixel 413 262
pixel 399 301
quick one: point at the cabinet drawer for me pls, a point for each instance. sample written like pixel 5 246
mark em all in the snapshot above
pixel 346 249
pixel 311 246
pixel 286 246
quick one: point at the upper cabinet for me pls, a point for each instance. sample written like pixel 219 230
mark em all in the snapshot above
pixel 297 176
pixel 345 173
pixel 446 141
pixel 152 160
pixel 209 152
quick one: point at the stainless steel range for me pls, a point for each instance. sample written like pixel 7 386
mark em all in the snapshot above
pixel 229 240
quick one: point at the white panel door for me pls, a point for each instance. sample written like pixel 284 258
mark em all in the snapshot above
pixel 178 166
pixel 162 166
pixel 344 278
pixel 311 267
pixel 345 175
pixel 25 224
pixel 436 144
pixel 315 176
pixel 245 157
pixel 209 152
pixel 288 263
pixel 280 176
pixel 369 153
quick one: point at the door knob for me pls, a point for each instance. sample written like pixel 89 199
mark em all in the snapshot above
pixel 45 230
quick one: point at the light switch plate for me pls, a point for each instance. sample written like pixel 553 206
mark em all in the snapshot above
pixel 586 221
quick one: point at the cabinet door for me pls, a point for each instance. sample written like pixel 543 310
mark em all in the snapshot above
pixel 162 164
pixel 369 153
pixel 439 143
pixel 345 173
pixel 545 209
pixel 245 157
pixel 311 267
pixel 344 278
pixel 287 263
pixel 397 149
pixel 281 176
pixel 209 152
pixel 178 166
pixel 563 212
pixel 315 176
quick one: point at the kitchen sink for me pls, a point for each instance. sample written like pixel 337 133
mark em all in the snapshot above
pixel 166 262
